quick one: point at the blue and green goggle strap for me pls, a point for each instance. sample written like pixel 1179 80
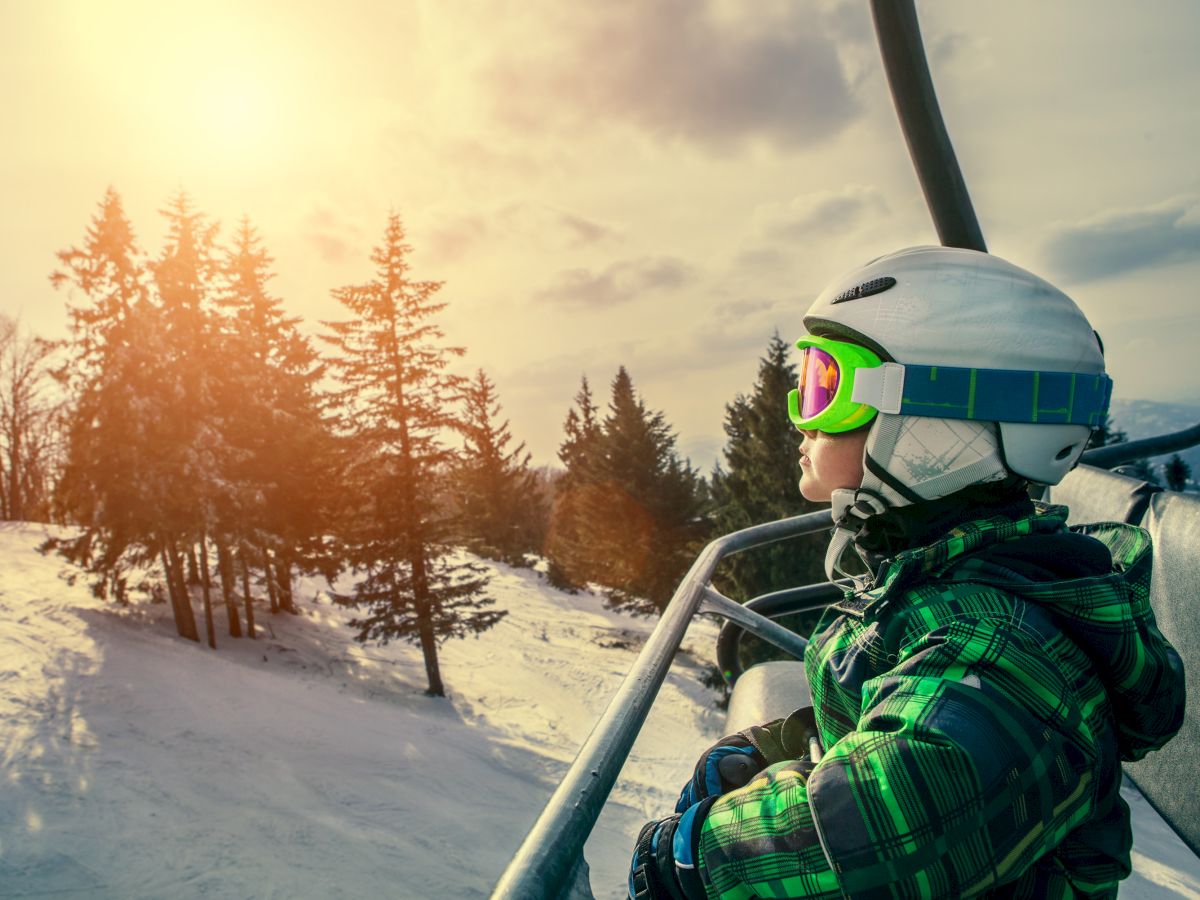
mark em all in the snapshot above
pixel 868 385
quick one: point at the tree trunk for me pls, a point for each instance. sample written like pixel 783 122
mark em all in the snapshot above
pixel 208 614
pixel 225 568
pixel 245 560
pixel 283 569
pixel 172 590
pixel 269 576
pixel 433 671
pixel 193 566
pixel 15 510
pixel 181 603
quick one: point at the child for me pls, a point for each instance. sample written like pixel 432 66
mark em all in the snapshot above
pixel 977 691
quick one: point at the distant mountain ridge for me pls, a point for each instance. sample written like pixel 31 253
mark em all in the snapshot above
pixel 1150 418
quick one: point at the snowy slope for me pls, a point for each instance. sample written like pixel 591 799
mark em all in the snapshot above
pixel 136 764
pixel 302 765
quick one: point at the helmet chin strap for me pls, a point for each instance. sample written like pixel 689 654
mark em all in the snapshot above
pixel 851 509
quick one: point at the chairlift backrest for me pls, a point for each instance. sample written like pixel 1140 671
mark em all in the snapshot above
pixel 1167 777
pixel 1098 495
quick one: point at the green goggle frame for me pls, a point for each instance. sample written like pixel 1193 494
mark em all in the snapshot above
pixel 842 413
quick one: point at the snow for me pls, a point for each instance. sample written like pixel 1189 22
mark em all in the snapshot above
pixel 137 764
pixel 302 764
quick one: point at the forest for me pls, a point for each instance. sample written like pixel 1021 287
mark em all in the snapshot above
pixel 204 447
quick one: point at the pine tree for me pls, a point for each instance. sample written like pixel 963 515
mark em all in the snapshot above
pixel 393 405
pixel 110 272
pixel 120 373
pixel 1177 473
pixel 194 456
pixel 493 484
pixel 282 451
pixel 760 483
pixel 1105 434
pixel 570 558
pixel 642 514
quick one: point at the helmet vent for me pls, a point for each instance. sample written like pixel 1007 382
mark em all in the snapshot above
pixel 866 289
pixel 1065 451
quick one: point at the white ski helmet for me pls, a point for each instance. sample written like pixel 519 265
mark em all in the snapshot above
pixel 929 307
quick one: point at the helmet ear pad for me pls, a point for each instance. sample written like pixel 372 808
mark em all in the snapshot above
pixel 912 459
pixel 1023 446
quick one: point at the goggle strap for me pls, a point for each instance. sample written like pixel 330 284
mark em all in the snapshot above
pixel 1005 395
pixel 984 395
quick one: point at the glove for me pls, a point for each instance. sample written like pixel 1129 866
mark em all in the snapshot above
pixel 664 858
pixel 727 765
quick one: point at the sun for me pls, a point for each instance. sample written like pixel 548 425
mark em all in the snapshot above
pixel 233 112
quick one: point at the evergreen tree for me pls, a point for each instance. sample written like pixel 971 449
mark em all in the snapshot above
pixel 393 405
pixel 193 453
pixel 281 449
pixel 641 512
pixel 1177 473
pixel 1106 433
pixel 760 483
pixel 124 406
pixel 567 549
pixel 493 484
pixel 110 272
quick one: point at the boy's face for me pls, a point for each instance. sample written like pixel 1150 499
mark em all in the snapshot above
pixel 831 461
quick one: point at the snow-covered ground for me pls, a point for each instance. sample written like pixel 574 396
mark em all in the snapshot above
pixel 303 765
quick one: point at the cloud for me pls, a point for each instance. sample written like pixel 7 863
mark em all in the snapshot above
pixel 831 212
pixel 585 231
pixel 1124 240
pixel 951 47
pixel 677 70
pixel 334 237
pixel 620 282
pixel 454 236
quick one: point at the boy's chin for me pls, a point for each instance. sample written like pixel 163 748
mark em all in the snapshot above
pixel 813 493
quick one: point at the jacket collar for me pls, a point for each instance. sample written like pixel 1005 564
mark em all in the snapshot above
pixel 968 537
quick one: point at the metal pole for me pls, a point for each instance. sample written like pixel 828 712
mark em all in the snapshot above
pixel 1127 451
pixel 542 867
pixel 755 623
pixel 924 129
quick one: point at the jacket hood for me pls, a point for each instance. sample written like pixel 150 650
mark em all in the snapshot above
pixel 1094 581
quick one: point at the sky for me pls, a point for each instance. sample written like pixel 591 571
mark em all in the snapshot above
pixel 658 184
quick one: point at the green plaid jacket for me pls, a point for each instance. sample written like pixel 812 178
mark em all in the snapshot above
pixel 974 723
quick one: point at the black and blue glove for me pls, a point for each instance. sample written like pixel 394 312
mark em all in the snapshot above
pixel 727 765
pixel 664 858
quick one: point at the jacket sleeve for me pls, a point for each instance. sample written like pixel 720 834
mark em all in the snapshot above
pixel 970 759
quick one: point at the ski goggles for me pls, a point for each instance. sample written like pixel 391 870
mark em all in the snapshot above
pixel 843 386
pixel 823 400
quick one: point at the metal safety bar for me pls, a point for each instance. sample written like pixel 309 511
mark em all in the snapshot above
pixel 1127 451
pixel 545 866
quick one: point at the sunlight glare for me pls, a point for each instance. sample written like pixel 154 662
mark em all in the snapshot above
pixel 233 113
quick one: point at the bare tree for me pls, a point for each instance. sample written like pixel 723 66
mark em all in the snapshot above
pixel 28 427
